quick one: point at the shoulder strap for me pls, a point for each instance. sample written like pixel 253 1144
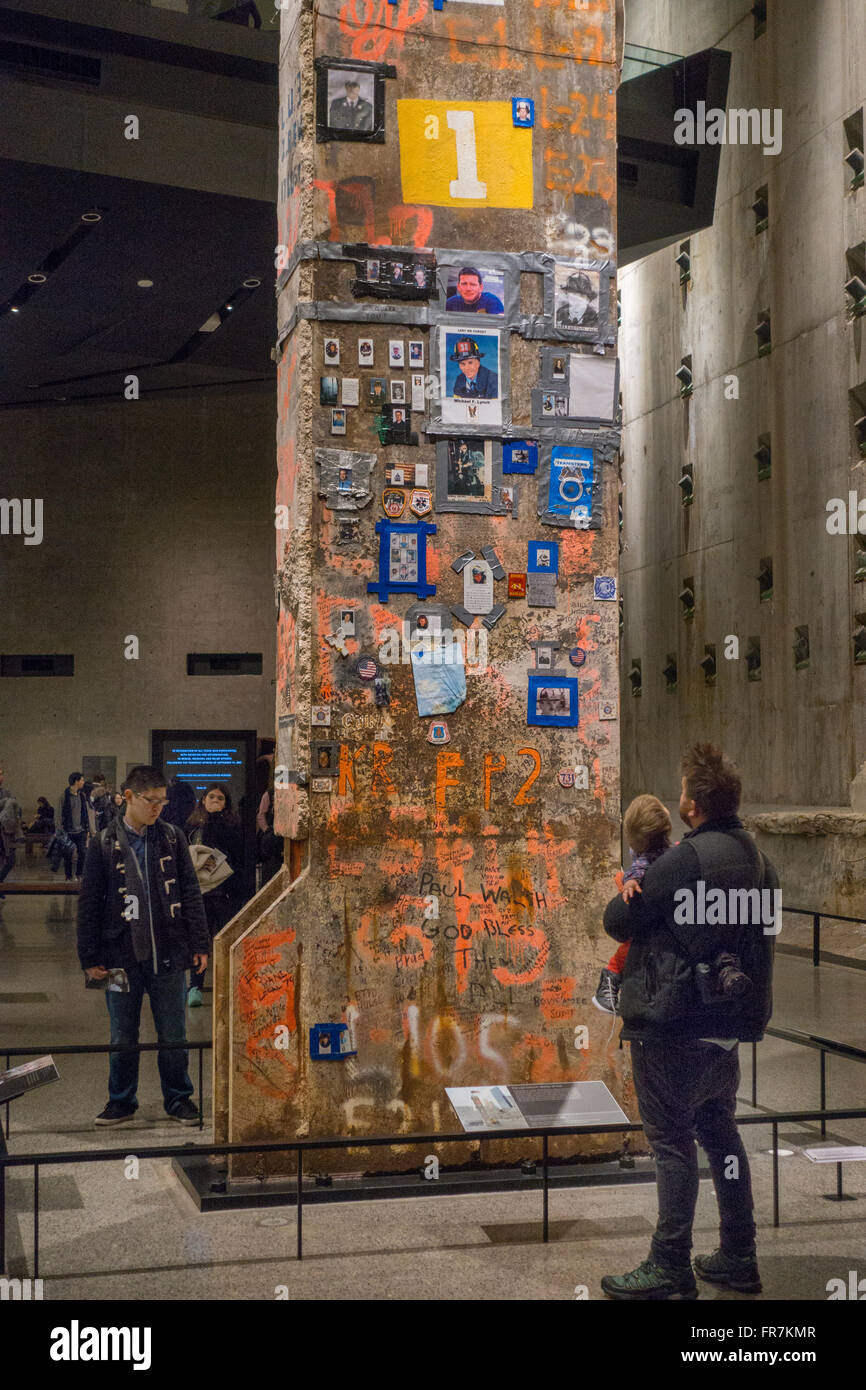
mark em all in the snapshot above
pixel 714 846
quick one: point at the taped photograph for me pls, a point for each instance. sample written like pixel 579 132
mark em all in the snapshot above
pixel 576 294
pixel 470 472
pixel 472 289
pixel 470 377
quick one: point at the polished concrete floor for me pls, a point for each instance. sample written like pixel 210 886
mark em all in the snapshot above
pixel 106 1233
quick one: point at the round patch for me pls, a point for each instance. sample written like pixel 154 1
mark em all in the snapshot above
pixel 577 656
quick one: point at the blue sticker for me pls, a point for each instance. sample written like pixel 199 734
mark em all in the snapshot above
pixel 552 700
pixel 604 587
pixel 570 490
pixel 523 112
pixel 543 557
pixel 519 456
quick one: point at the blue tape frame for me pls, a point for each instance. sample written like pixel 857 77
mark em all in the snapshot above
pixel 540 680
pixel 385 586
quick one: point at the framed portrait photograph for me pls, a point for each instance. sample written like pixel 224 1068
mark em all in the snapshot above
pixel 338 422
pixel 470 378
pixel 577 297
pixel 377 391
pixel 416 352
pixel 332 352
pixel 475 289
pixel 365 352
pixel 469 476
pixel 523 112
pixel 398 392
pixel 396 355
pixel 552 700
pixel 344 478
pixel 350 100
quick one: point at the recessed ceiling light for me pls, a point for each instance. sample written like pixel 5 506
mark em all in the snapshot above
pixel 252 283
pixel 15 309
pixel 145 284
pixel 229 307
pixel 37 278
pixel 91 217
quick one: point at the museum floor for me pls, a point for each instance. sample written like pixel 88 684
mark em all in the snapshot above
pixel 103 1236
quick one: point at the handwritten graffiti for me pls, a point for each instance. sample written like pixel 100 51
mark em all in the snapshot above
pixel 375 26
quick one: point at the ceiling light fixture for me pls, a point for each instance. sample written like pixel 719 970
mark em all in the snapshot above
pixel 229 308
pixel 91 217
pixel 37 278
pixel 145 284
pixel 252 283
pixel 14 309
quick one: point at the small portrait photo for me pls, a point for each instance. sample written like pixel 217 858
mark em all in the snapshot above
pixel 378 387
pixel 395 352
pixel 398 392
pixel 398 415
pixel 470 469
pixel 351 97
pixel 542 558
pixel 338 426
pixel 523 112
pixel 519 456
pixel 561 406
pixel 372 272
pixel 347 621
pixel 558 367
pixel 475 290
pixel 365 352
pixel 396 269
pixel 328 386
pixel 416 352
pixel 575 297
pixel 325 757
pixel 553 701
pixel 548 403
pixel 544 659
pixel 421 276
pixel 507 496
pixel 332 351
pixel 344 479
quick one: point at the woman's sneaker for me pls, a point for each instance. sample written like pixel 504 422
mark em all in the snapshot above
pixel 606 996
pixel 739 1272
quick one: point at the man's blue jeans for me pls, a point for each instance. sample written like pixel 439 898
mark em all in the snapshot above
pixel 167 994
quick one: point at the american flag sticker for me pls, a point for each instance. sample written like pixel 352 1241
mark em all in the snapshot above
pixel 367 669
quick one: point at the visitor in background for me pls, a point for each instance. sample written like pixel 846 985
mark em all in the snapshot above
pixel 43 821
pixel 74 823
pixel 181 803
pixel 141 926
pixel 214 824
pixel 10 826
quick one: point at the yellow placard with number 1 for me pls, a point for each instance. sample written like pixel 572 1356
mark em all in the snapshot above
pixel 464 154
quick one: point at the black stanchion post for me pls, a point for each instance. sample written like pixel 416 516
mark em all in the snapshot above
pixel 36 1221
pixel 822 1054
pixel 300 1203
pixel 754 1074
pixel 839 1181
pixel 200 1087
pixel 816 938
pixel 8 1060
pixel 2 1216
pixel 545 1190
pixel 774 1173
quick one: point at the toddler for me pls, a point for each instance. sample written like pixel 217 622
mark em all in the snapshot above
pixel 647 827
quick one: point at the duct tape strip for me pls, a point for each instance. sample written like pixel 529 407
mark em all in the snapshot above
pixel 586 380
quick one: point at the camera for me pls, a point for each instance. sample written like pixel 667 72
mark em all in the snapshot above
pixel 722 981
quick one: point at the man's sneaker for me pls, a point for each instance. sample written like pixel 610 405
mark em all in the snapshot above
pixel 651 1281
pixel 185 1112
pixel 194 997
pixel 739 1272
pixel 606 996
pixel 115 1113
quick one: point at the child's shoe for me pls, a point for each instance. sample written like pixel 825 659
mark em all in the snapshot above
pixel 606 996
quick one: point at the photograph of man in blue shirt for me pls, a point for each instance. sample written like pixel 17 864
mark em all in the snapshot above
pixel 471 296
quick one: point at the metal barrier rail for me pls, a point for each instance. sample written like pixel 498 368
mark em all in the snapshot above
pixel 72 1049
pixel 820 1045
pixel 816 926
pixel 302 1146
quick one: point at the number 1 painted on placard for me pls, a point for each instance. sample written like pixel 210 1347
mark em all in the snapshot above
pixel 467 183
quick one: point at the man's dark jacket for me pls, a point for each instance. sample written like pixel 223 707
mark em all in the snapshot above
pixel 179 922
pixel 659 997
pixel 66 812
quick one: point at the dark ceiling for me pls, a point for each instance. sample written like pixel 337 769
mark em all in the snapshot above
pixel 89 324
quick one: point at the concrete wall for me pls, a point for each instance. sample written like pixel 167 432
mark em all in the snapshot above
pixel 798 736
pixel 158 522
pixel 448 908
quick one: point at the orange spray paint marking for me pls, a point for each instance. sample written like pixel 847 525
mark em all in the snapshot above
pixel 374 26
pixel 446 760
pixel 383 754
pixel 522 799
pixel 348 757
pixel 493 762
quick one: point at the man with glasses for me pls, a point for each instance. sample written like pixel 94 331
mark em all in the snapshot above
pixel 141 926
